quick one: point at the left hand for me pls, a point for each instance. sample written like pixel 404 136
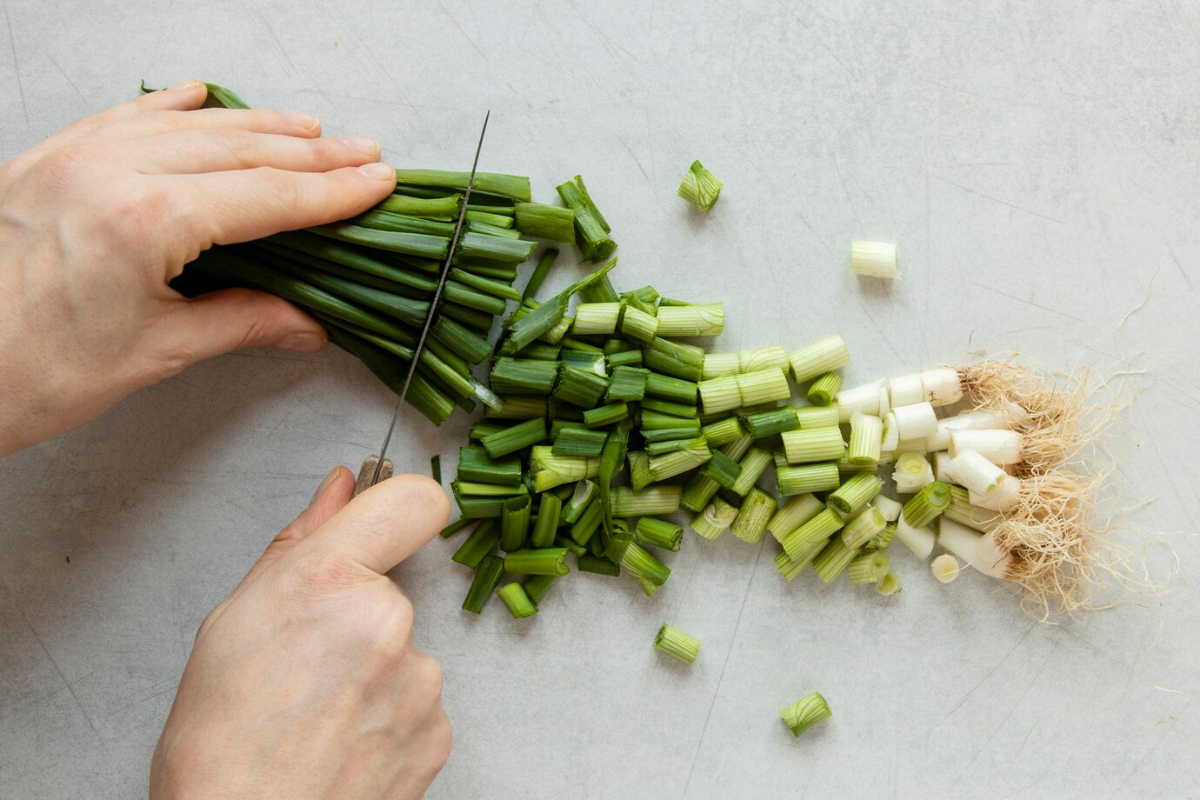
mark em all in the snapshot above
pixel 98 219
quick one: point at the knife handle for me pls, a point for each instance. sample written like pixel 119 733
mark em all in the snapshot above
pixel 367 471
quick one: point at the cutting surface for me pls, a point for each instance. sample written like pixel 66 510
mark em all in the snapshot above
pixel 1036 162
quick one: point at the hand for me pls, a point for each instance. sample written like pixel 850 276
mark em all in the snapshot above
pixel 305 682
pixel 97 219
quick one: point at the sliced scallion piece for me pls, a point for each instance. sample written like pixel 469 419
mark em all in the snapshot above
pixel 651 501
pixel 519 603
pixel 700 187
pixel 487 575
pixel 804 713
pixel 677 644
pixel 714 519
pixel 546 526
pixel 693 320
pixel 543 561
pixel 824 389
pixel 823 356
pixel 751 521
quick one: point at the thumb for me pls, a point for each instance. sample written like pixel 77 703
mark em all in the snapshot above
pixel 222 321
pixel 385 524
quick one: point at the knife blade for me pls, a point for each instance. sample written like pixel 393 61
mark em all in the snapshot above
pixel 381 459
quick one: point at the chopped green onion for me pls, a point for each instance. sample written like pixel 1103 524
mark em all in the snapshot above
pixel 651 501
pixel 856 492
pixel 588 523
pixel 744 389
pixel 572 547
pixel 487 575
pixel 658 533
pixel 714 519
pixel 639 325
pixel 670 408
pixel 818 529
pixel 455 527
pixel 874 259
pixel 614 452
pixel 945 568
pixel 478 544
pixel 546 525
pixel 883 538
pixel 770 421
pixel 598 565
pixel 639 470
pixel 833 559
pixel 868 568
pixel 547 316
pixel 544 561
pixel 719 364
pixel 539 272
pixel 546 222
pixel 605 415
pixel 591 229
pixel 627 383
pixel 723 470
pixel 669 388
pixel 459 340
pixel 474 464
pixel 675 359
pixel 536 586
pixel 518 408
pixel 866 438
pixel 889 584
pixel 824 389
pixel 753 464
pixel 789 568
pixel 677 644
pixel 579 441
pixel 514 186
pixel 518 437
pixel 751 521
pixel 519 603
pixel 818 417
pixel 693 320
pixel 487 489
pixel 863 528
pixel 688 457
pixel 807 445
pixel 580 387
pixel 794 513
pixel 550 470
pixel 645 569
pixel 961 510
pixel 596 318
pixel 826 355
pixel 517 376
pixel 514 523
pixel 700 187
pixel 723 431
pixel 495 288
pixel 925 506
pixel 803 714
pixel 912 471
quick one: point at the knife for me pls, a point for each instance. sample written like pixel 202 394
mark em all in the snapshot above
pixel 379 466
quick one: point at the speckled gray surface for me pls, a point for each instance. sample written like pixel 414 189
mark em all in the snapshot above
pixel 1036 160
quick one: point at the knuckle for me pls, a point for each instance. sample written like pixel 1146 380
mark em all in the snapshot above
pixel 61 166
pixel 428 676
pixel 285 191
pixel 441 741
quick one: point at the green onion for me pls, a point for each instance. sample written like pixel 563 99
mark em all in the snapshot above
pixel 584 493
pixel 669 388
pixel 518 602
pixel 769 422
pixel 855 492
pixel 807 445
pixel 487 489
pixel 651 501
pixel 723 432
pixel 490 219
pixel 721 469
pixel 598 565
pixel 789 568
pixel 645 569
pixel 401 223
pixel 833 559
pixel 961 510
pixel 435 468
pixel 596 318
pixel 518 437
pixel 481 542
pixel 460 340
pixel 591 229
pixel 677 644
pixel 579 441
pixel 474 464
pixel 753 465
pixel 889 584
pixel 719 364
pixel 794 513
pixel 627 383
pixel 744 389
pixel 675 359
pixel 544 561
pixel 866 439
pixel 638 324
pixel 605 415
pixel 536 586
pixel 580 387
pixel 700 187
pixel 817 417
pixel 611 458
pixel 443 207
pixel 549 469
pixel 588 523
pixel 455 527
pixel 517 376
pixel 546 525
pixel 514 186
pixel 539 273
pixel 546 316
pixel 486 285
pixel 541 351
pixel 546 222
pixel 818 529
pixel 487 575
pixel 694 320
pixel 803 714
pixel 925 506
pixel 751 521
pixel 863 528
pixel 868 568
pixel 658 533
pixel 669 408
pixel 572 547
pixel 688 457
pixel 629 358
pixel 824 389
pixel 413 244
pixel 714 519
pixel 519 408
pixel 639 469
pixel 883 538
pixel 514 523
pixel 826 355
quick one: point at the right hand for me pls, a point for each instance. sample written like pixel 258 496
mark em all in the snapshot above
pixel 305 682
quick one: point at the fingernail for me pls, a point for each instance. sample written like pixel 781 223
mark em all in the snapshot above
pixel 306 121
pixel 302 342
pixel 363 144
pixel 378 171
pixel 190 83
pixel 333 473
